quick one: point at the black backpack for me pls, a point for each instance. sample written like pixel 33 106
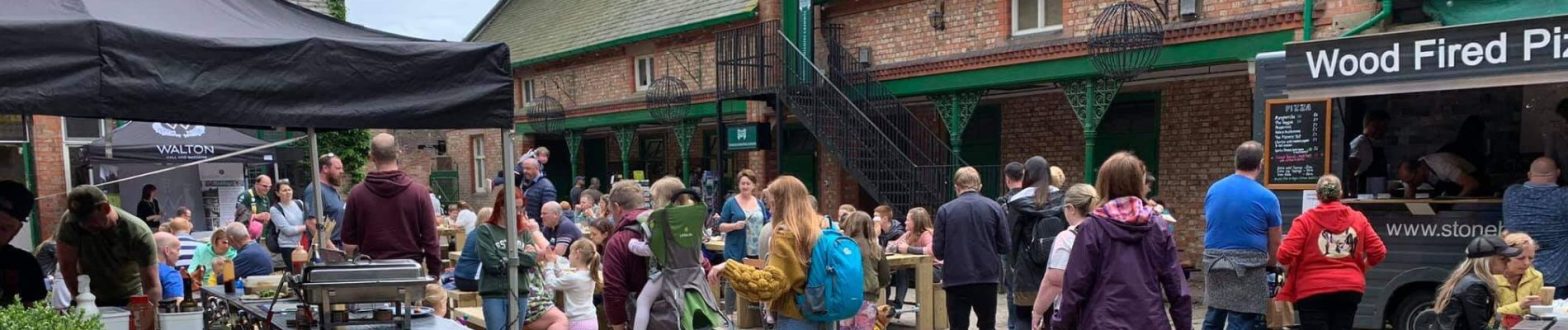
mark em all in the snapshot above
pixel 272 232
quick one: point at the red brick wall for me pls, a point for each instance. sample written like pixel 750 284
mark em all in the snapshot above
pixel 1201 123
pixel 1043 125
pixel 606 77
pixel 900 32
pixel 49 171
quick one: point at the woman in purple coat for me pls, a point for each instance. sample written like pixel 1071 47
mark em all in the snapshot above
pixel 1123 270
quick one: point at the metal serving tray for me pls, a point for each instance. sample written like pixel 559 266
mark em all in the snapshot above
pixel 364 271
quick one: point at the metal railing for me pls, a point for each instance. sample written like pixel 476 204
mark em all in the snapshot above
pixel 747 60
pixel 911 134
pixel 870 144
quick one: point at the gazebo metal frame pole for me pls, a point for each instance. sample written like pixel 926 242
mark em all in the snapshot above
pixel 315 176
pixel 507 152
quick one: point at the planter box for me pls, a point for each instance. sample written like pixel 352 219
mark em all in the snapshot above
pixel 189 320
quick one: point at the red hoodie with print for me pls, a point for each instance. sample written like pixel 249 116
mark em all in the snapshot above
pixel 1329 249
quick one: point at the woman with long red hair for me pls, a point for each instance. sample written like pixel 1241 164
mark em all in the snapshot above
pixel 537 310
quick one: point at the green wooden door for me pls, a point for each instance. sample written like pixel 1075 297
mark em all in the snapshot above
pixel 596 162
pixel 445 185
pixel 799 153
pixel 982 147
pixel 1131 124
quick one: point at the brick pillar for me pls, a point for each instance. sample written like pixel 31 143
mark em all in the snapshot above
pixel 760 161
pixel 49 172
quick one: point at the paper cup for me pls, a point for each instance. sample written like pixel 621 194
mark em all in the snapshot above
pixel 1548 293
pixel 1541 310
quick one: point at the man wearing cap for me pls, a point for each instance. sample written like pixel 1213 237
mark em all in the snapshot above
pixel 1540 207
pixel 20 277
pixel 111 246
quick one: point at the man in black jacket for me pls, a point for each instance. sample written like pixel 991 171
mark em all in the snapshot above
pixel 1035 216
pixel 1013 176
pixel 970 230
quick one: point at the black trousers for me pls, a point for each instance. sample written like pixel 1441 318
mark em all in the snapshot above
pixel 979 298
pixel 1328 311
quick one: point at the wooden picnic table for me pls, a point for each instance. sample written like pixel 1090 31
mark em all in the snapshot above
pixel 925 291
pixel 474 317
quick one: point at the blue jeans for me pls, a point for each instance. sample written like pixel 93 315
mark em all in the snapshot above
pixel 786 323
pixel 495 310
pixel 1219 319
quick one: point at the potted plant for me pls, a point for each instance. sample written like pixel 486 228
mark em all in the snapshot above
pixel 42 317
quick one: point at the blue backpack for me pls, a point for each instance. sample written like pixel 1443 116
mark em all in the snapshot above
pixel 835 284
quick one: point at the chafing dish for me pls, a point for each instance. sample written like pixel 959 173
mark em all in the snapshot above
pixel 396 281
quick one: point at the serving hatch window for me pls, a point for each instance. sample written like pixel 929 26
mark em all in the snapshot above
pixel 1491 133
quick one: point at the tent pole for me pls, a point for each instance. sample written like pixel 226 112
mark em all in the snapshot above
pixel 108 140
pixel 315 179
pixel 507 152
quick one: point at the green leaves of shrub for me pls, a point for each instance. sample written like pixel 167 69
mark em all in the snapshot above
pixel 43 317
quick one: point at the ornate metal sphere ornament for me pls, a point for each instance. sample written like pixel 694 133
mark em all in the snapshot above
pixel 544 115
pixel 1126 40
pixel 669 100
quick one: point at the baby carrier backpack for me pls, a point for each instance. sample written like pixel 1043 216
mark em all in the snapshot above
pixel 675 237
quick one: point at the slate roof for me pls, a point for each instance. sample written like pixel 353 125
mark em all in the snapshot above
pixel 540 30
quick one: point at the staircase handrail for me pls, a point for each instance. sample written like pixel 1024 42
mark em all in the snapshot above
pixel 878 91
pixel 858 111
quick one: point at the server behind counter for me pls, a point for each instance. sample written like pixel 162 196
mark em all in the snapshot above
pixel 1447 174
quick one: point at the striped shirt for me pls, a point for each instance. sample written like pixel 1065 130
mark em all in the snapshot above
pixel 188 246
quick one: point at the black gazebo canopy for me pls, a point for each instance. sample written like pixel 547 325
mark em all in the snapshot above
pixel 167 143
pixel 243 63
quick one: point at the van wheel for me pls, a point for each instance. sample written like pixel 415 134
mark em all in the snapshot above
pixel 1415 312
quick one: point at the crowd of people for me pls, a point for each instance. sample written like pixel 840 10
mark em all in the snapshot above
pixel 1080 256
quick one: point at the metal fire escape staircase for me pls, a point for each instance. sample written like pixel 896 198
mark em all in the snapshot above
pixel 892 153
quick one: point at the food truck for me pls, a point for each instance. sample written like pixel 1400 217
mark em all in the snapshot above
pixel 1467 107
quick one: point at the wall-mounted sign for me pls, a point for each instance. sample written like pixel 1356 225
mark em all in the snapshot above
pixel 1296 143
pixel 1519 52
pixel 747 137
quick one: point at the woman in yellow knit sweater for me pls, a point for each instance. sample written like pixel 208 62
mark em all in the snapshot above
pixel 1519 286
pixel 797 227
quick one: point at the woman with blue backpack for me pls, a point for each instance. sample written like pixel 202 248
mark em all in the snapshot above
pixel 795 281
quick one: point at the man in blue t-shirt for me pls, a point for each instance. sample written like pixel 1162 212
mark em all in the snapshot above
pixel 560 233
pixel 1243 233
pixel 253 259
pixel 168 247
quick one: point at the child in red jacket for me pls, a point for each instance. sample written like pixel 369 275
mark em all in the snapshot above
pixel 1327 254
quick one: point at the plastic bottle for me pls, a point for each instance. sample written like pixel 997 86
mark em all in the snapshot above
pixel 144 316
pixel 300 257
pixel 85 300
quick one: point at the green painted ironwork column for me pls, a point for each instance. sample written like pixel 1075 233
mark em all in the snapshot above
pixel 574 143
pixel 623 139
pixel 1090 99
pixel 956 109
pixel 683 132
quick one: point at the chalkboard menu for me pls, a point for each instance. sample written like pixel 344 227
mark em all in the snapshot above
pixel 1297 143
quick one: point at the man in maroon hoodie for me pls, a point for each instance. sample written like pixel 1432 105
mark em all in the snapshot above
pixel 624 273
pixel 389 216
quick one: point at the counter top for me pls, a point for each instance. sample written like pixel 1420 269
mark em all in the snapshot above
pixel 1425 201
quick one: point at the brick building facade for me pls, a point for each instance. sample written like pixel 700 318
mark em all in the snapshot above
pixel 1200 103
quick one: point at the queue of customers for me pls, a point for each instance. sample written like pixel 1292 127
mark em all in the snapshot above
pixel 1084 256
